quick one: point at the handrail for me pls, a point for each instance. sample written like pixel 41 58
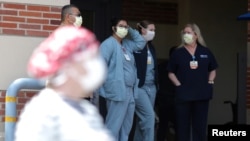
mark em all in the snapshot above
pixel 10 102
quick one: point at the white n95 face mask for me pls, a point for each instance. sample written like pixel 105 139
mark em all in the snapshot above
pixel 149 35
pixel 78 21
pixel 188 38
pixel 121 32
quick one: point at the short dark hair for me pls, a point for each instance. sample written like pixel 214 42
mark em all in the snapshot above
pixel 115 20
pixel 66 9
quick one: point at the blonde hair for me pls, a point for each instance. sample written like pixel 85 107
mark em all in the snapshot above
pixel 197 31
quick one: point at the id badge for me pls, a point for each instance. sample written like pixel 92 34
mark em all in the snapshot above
pixel 193 64
pixel 127 57
pixel 149 61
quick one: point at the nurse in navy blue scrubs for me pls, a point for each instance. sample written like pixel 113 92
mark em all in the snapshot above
pixel 192 69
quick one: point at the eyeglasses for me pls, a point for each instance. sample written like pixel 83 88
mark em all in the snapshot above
pixel 77 15
pixel 123 26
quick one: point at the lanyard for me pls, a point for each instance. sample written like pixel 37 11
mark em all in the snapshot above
pixel 193 57
pixel 124 50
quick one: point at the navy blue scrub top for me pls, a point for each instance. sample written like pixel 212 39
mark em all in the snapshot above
pixel 194 82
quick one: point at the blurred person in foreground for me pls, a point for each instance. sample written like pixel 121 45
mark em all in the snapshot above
pixel 192 69
pixel 69 58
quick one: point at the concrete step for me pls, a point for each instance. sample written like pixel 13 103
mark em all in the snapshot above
pixel 2 134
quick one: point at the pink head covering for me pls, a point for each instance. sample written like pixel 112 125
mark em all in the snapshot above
pixel 51 54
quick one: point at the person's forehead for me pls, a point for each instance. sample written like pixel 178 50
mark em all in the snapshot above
pixel 188 29
pixel 75 10
pixel 122 22
pixel 151 26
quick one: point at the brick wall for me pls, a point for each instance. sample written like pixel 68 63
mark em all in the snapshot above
pixel 158 12
pixel 21 99
pixel 28 20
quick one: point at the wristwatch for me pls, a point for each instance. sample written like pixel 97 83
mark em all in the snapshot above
pixel 210 81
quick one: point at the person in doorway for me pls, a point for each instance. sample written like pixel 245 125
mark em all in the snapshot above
pixel 165 102
pixel 69 59
pixel 70 15
pixel 192 69
pixel 147 73
pixel 121 83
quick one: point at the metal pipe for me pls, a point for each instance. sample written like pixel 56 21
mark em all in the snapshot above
pixel 10 102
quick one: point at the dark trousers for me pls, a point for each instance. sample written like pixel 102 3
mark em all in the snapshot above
pixel 166 114
pixel 191 120
pixel 102 107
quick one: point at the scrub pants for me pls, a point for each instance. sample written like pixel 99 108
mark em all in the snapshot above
pixel 144 109
pixel 120 115
pixel 191 119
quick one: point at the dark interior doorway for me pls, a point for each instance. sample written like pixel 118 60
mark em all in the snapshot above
pixel 97 15
pixel 88 19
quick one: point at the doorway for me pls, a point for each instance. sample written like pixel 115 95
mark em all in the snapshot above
pixel 97 15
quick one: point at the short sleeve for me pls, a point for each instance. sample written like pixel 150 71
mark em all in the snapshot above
pixel 213 62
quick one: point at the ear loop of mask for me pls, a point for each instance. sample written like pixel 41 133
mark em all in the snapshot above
pixel 114 29
pixel 139 25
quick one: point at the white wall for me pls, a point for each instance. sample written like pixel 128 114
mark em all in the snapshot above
pixel 15 52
